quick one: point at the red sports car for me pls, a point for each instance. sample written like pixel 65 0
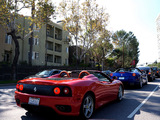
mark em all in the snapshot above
pixel 69 93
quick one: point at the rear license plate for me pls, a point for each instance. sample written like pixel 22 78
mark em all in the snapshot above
pixel 33 101
pixel 121 78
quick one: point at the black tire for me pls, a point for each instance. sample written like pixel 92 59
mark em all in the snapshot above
pixel 87 107
pixel 140 85
pixel 120 93
pixel 146 81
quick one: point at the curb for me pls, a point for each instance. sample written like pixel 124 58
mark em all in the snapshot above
pixel 9 84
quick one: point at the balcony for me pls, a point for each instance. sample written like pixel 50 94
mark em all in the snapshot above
pixel 58 47
pixel 58 34
pixel 49 45
pixel 50 31
pixel 49 58
pixel 57 59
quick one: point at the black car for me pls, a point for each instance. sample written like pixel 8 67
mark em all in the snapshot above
pixel 149 71
pixel 156 71
pixel 44 74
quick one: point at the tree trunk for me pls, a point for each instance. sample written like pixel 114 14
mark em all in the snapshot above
pixel 16 56
pixel 32 35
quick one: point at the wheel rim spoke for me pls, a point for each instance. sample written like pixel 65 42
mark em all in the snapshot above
pixel 88 107
pixel 120 95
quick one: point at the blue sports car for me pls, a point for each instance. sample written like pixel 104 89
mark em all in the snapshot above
pixel 130 76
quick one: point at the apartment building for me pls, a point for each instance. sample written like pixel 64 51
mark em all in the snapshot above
pixel 6 45
pixel 50 44
pixel 158 35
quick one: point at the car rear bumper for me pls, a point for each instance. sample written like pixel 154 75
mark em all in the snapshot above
pixel 61 105
pixel 130 82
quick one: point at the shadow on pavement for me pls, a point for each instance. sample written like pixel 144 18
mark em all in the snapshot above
pixel 47 116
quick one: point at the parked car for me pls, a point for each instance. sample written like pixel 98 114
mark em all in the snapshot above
pixel 44 74
pixel 156 71
pixel 130 76
pixel 75 93
pixel 149 71
pixel 107 72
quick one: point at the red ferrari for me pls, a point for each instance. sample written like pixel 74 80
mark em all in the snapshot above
pixel 69 93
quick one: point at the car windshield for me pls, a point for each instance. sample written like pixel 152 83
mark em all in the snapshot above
pixel 154 68
pixel 126 70
pixel 100 76
pixel 45 72
pixel 144 68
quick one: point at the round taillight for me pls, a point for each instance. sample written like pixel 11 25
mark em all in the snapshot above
pixel 66 90
pixel 20 87
pixel 134 74
pixel 111 74
pixel 17 86
pixel 149 73
pixel 57 90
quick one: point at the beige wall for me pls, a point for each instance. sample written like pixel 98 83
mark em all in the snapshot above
pixel 40 48
pixel 4 46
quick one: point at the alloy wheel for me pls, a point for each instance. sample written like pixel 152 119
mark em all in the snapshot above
pixel 88 106
pixel 120 93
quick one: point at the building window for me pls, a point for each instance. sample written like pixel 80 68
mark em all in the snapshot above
pixel 49 45
pixel 35 41
pixel 35 55
pixel 58 34
pixel 36 28
pixel 49 58
pixel 66 49
pixel 57 59
pixel 7 56
pixel 66 61
pixel 8 39
pixel 50 31
pixel 58 47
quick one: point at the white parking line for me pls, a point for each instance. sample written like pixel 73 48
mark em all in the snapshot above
pixel 134 112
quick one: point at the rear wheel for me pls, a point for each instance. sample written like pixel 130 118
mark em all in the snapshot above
pixel 120 93
pixel 87 106
pixel 140 83
pixel 146 80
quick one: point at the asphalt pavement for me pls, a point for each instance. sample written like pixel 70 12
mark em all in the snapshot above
pixel 137 104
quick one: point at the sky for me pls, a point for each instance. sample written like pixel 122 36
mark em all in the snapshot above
pixel 138 16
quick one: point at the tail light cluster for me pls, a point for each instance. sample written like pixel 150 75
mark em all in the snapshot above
pixel 134 74
pixel 19 87
pixel 111 74
pixel 62 91
pixel 45 90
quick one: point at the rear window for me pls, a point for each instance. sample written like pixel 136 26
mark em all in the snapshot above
pixel 154 68
pixel 126 70
pixel 144 68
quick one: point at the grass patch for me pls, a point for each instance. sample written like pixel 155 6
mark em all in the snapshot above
pixel 8 81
